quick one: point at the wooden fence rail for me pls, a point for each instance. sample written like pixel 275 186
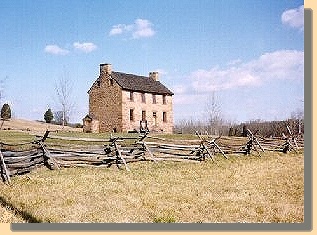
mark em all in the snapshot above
pixel 115 151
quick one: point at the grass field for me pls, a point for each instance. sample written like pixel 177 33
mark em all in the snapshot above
pixel 241 189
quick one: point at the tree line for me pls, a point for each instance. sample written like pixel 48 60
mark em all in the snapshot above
pixel 49 116
pixel 263 128
pixel 214 123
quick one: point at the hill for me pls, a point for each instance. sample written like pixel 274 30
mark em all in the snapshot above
pixel 33 126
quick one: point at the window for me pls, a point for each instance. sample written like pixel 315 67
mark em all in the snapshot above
pixel 164 99
pixel 164 117
pixel 111 82
pixel 143 98
pixel 131 115
pixel 131 95
pixel 154 117
pixel 143 115
pixel 154 98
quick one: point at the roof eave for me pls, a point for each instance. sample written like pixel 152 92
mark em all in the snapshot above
pixel 150 92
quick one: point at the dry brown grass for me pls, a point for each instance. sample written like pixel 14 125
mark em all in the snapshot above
pixel 241 189
pixel 33 127
pixel 8 216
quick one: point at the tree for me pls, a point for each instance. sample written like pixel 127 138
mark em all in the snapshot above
pixel 48 116
pixel 2 88
pixel 244 130
pixel 213 113
pixel 59 118
pixel 231 132
pixel 63 90
pixel 6 112
pixel 297 121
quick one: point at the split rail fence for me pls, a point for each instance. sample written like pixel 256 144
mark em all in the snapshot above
pixel 120 151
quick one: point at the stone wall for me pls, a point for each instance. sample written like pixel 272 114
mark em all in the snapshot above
pixel 155 124
pixel 105 104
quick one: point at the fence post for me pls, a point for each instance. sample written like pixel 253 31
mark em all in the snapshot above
pixel 48 160
pixel 204 147
pixel 119 155
pixel 5 174
pixel 145 147
pixel 213 142
pixel 251 144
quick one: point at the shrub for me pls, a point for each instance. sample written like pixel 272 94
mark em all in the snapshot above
pixel 6 112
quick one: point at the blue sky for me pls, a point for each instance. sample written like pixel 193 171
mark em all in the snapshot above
pixel 249 53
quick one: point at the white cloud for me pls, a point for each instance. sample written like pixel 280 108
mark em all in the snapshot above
pixel 141 28
pixel 283 64
pixel 244 87
pixel 294 17
pixel 217 79
pixel 234 62
pixel 55 50
pixel 116 29
pixel 85 46
pixel 120 29
pixel 179 89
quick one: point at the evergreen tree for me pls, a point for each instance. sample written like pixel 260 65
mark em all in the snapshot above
pixel 6 112
pixel 48 116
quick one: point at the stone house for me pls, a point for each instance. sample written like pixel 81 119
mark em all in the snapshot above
pixel 120 102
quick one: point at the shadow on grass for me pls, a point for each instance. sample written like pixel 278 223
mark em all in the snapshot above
pixel 24 214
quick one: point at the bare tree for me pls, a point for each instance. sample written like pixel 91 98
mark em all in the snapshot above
pixel 58 118
pixel 190 126
pixel 213 114
pixel 64 88
pixel 297 121
pixel 2 81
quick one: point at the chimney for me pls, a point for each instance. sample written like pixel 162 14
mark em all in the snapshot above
pixel 154 76
pixel 105 69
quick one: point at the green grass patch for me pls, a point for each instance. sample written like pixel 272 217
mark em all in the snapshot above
pixel 15 137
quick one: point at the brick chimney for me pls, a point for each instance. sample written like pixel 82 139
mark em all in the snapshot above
pixel 154 76
pixel 105 69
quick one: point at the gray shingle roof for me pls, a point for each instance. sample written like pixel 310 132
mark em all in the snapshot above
pixel 140 83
